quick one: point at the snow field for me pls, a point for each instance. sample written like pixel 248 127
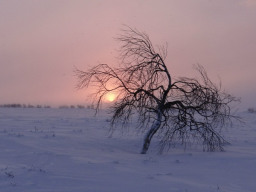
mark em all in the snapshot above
pixel 66 150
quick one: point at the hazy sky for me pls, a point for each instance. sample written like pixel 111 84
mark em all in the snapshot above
pixel 42 40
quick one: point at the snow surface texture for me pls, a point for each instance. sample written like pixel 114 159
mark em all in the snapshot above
pixel 69 150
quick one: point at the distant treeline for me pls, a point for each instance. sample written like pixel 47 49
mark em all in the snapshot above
pixel 15 105
pixel 73 107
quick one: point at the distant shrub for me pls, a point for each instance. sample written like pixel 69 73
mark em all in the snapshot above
pixel 63 107
pixel 90 106
pixel 15 105
pixel 251 110
pixel 80 107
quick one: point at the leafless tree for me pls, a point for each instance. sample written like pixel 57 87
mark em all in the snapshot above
pixel 181 110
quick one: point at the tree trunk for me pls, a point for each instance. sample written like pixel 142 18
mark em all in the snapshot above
pixel 155 126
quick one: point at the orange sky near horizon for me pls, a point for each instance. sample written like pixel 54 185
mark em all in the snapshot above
pixel 43 41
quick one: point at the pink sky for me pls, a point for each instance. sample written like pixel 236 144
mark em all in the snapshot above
pixel 42 41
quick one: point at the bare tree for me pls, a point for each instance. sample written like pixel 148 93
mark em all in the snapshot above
pixel 181 110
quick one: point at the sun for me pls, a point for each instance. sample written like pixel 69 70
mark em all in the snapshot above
pixel 110 97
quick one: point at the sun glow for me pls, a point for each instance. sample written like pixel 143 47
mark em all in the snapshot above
pixel 110 97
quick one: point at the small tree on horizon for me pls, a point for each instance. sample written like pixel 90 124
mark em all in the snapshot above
pixel 179 110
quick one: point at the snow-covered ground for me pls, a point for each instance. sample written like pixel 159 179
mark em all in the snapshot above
pixel 70 150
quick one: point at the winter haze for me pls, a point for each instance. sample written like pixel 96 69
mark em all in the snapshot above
pixel 42 41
